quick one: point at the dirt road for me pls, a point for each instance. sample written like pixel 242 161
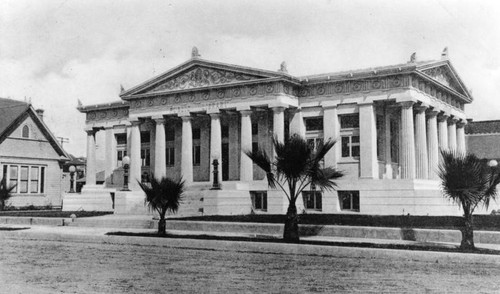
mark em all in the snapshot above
pixel 28 266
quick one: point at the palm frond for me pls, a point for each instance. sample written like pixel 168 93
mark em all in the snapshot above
pixel 262 160
pixel 163 195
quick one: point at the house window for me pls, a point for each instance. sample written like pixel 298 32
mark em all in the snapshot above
pixel 170 156
pixel 26 132
pixel 145 157
pixel 349 200
pixel 314 124
pixel 313 200
pixel 196 155
pixel 350 146
pixel 349 135
pixel 27 179
pixel 259 200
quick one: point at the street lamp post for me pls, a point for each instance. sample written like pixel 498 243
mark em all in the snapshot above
pixel 125 163
pixel 216 184
pixel 72 170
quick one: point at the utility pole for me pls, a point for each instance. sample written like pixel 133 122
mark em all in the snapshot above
pixel 63 140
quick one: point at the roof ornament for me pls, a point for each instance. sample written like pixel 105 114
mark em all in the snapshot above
pixel 122 89
pixel 283 67
pixel 444 54
pixel 195 53
pixel 79 103
pixel 413 58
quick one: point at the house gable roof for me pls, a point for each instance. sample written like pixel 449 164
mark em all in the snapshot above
pixel 13 113
pixel 198 73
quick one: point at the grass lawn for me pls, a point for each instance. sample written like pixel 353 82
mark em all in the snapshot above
pixel 52 213
pixel 481 222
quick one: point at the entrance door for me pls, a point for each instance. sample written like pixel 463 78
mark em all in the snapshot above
pixel 225 161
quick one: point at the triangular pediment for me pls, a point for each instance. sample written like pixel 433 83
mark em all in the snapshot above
pixel 445 74
pixel 199 74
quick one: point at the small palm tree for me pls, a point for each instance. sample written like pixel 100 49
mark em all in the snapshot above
pixel 296 166
pixel 5 193
pixel 468 181
pixel 163 195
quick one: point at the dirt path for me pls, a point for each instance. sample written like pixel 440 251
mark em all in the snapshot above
pixel 64 267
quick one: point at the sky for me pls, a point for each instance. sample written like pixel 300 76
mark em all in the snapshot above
pixel 56 52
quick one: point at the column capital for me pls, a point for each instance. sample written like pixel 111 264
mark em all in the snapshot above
pixel 159 120
pixel 329 104
pixel 421 108
pixel 277 109
pixel 135 122
pixel 91 131
pixel 432 113
pixel 443 117
pixel 452 120
pixel 461 123
pixel 214 114
pixel 186 118
pixel 245 112
pixel 406 104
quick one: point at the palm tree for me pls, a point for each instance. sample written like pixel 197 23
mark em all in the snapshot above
pixel 163 195
pixel 296 166
pixel 5 192
pixel 468 181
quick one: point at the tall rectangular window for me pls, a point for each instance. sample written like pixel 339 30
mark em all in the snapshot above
pixel 255 129
pixel 349 135
pixel 349 200
pixel 225 131
pixel 259 200
pixel 145 157
pixel 34 178
pixel 196 155
pixel 314 124
pixel 313 200
pixel 13 177
pixel 42 179
pixel 196 134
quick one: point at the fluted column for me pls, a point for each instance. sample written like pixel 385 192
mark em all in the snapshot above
pixel 368 163
pixel 215 144
pixel 461 137
pixel 135 154
pixel 246 165
pixel 331 130
pixel 443 131
pixel 110 154
pixel 160 164
pixel 90 175
pixel 452 134
pixel 279 123
pixel 422 167
pixel 187 150
pixel 432 144
pixel 407 154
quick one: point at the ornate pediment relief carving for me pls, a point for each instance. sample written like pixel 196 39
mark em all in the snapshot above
pixel 443 75
pixel 202 77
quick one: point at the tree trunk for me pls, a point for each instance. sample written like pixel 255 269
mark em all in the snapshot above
pixel 162 226
pixel 291 233
pixel 467 233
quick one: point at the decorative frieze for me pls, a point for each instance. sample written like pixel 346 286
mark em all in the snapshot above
pixel 107 114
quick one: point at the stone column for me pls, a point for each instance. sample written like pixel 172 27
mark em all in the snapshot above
pixel 90 176
pixel 246 165
pixel 432 144
pixel 422 161
pixel 461 137
pixel 407 151
pixel 443 131
pixel 110 154
pixel 187 150
pixel 279 123
pixel 160 164
pixel 297 125
pixel 331 130
pixel 215 145
pixel 452 134
pixel 135 155
pixel 368 163
pixel 387 144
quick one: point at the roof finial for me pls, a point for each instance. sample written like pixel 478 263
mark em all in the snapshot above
pixel 413 57
pixel 122 89
pixel 195 53
pixel 283 67
pixel 444 54
pixel 79 103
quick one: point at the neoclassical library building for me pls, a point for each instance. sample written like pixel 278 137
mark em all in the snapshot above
pixel 389 122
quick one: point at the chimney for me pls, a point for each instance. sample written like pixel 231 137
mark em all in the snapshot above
pixel 40 112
